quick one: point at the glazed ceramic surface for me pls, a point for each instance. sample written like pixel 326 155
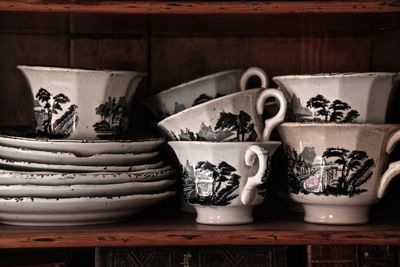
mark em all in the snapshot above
pixel 45 157
pixel 224 181
pixel 56 178
pixel 339 98
pixel 84 190
pixel 80 104
pixel 84 147
pixel 235 117
pixel 203 89
pixel 75 211
pixel 337 171
pixel 29 166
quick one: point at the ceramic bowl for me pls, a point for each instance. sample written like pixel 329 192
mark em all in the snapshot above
pixel 224 181
pixel 339 98
pixel 337 171
pixel 235 117
pixel 80 104
pixel 198 91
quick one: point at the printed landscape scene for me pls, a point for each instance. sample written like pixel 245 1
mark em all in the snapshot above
pixel 48 117
pixel 229 127
pixel 320 109
pixel 337 172
pixel 113 115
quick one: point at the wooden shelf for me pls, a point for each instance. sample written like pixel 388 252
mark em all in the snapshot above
pixel 191 8
pixel 181 230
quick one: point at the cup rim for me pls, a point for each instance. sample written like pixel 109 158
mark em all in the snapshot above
pixel 64 69
pixel 179 86
pixel 339 125
pixel 173 116
pixel 216 143
pixel 333 75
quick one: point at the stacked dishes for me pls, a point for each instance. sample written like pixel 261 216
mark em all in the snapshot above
pixel 338 144
pixel 89 176
pixel 221 141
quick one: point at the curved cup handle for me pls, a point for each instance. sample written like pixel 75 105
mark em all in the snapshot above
pixel 249 191
pixel 394 168
pixel 253 71
pixel 273 122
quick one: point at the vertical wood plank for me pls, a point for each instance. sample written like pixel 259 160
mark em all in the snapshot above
pixel 16 49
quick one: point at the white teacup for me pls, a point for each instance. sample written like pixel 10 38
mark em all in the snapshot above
pixel 231 118
pixel 183 96
pixel 81 104
pixel 339 98
pixel 337 171
pixel 224 181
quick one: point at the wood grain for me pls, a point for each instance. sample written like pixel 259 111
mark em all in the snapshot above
pixel 169 7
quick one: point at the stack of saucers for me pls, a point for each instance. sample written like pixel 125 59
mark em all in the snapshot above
pixel 86 176
pixel 221 142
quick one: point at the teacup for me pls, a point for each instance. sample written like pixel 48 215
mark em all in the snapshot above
pixel 80 104
pixel 337 171
pixel 224 181
pixel 183 96
pixel 235 117
pixel 339 98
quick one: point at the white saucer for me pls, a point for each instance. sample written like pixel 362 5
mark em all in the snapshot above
pixel 55 178
pixel 84 190
pixel 74 211
pixel 84 147
pixel 37 156
pixel 28 166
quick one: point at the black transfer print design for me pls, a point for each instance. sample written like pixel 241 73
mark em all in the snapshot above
pixel 337 172
pixel 208 184
pixel 46 108
pixel 204 98
pixel 113 115
pixel 229 127
pixel 320 109
pixel 262 188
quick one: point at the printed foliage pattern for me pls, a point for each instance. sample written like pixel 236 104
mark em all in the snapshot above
pixel 208 184
pixel 113 115
pixel 337 172
pixel 49 121
pixel 229 127
pixel 320 109
pixel 262 188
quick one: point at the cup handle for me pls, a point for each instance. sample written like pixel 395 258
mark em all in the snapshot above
pixel 249 191
pixel 394 168
pixel 253 71
pixel 271 123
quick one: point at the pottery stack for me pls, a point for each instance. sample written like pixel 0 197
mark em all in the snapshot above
pixel 75 167
pixel 338 143
pixel 221 141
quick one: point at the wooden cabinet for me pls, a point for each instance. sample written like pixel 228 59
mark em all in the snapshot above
pixel 174 42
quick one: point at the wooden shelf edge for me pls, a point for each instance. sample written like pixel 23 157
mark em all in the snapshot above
pixel 198 238
pixel 190 8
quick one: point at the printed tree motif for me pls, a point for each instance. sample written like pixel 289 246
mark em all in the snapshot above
pixel 320 103
pixel 225 183
pixel 52 106
pixel 332 112
pixel 241 124
pixel 112 115
pixel 355 162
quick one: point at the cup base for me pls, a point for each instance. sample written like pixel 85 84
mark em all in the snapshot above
pixel 336 214
pixel 219 215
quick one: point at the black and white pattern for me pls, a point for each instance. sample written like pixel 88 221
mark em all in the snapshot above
pixel 48 107
pixel 337 171
pixel 113 115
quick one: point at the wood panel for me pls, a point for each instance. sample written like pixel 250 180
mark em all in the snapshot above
pixel 15 49
pixel 177 60
pixel 201 7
